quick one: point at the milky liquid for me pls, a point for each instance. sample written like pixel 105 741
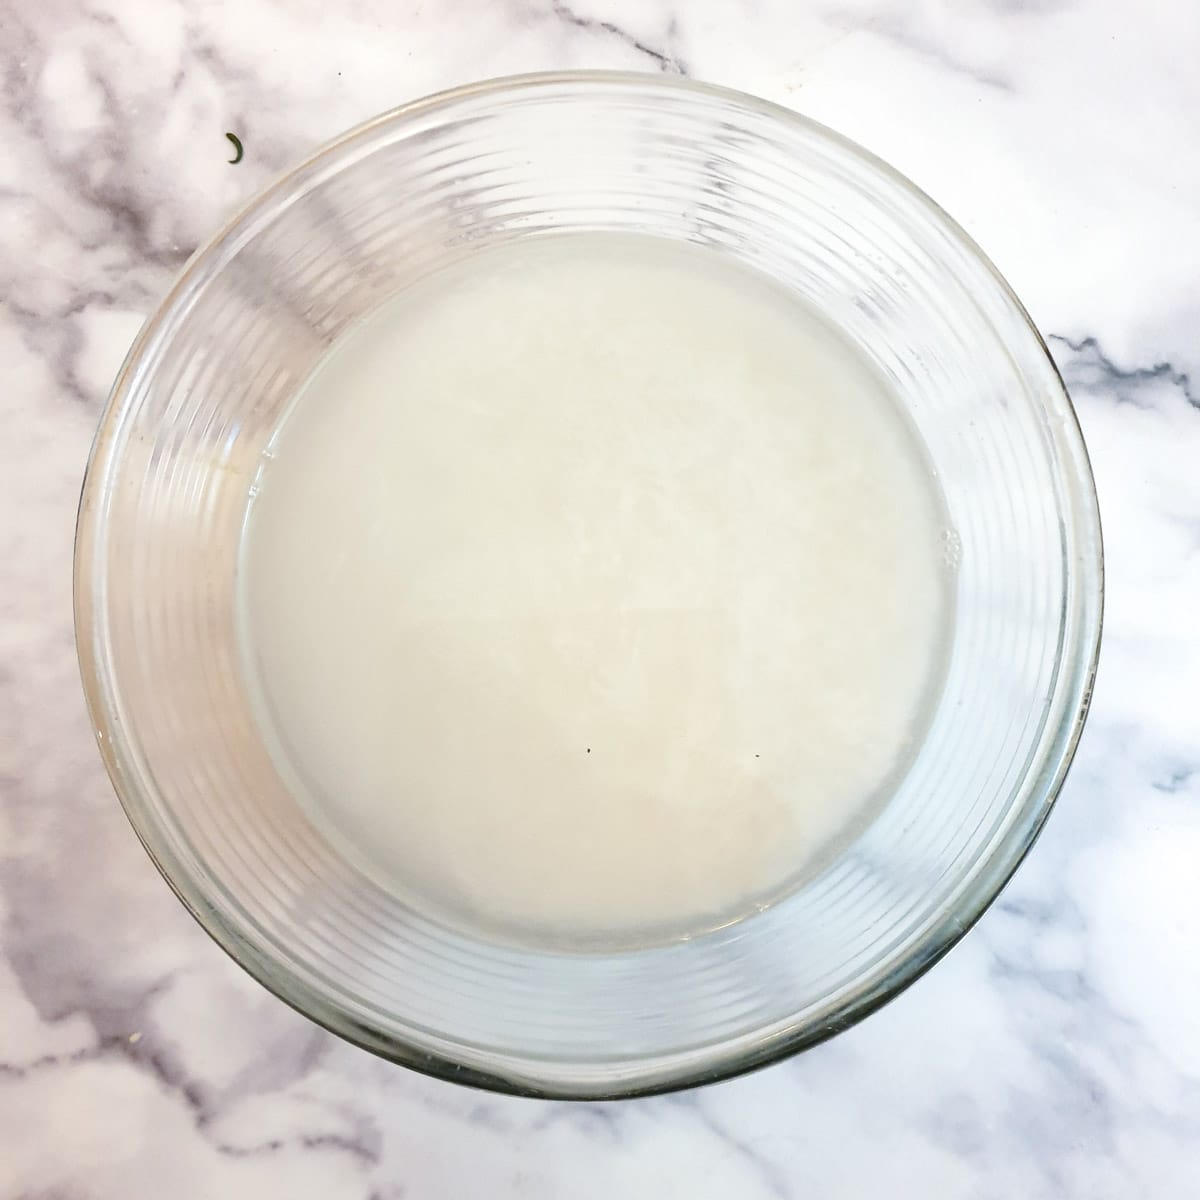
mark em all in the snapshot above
pixel 592 588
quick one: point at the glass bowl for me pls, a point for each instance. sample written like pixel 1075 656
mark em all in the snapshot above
pixel 252 313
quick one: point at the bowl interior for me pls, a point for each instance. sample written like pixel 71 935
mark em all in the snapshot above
pixel 413 191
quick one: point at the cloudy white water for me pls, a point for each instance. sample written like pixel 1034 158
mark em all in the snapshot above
pixel 1054 1053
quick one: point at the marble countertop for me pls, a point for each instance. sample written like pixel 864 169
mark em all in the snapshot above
pixel 1055 1052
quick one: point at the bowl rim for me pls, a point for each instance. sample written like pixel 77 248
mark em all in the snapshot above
pixel 1080 654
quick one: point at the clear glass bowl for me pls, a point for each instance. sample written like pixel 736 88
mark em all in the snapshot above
pixel 251 315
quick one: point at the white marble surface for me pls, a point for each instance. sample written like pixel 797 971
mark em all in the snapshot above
pixel 1056 1052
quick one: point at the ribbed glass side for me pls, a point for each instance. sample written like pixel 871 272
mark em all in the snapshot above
pixel 204 389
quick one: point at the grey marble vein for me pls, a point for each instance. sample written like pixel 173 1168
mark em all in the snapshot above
pixel 913 32
pixel 1090 365
pixel 665 58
